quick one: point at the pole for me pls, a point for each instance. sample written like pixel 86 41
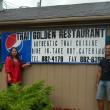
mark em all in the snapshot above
pixel 40 2
pixel 1 5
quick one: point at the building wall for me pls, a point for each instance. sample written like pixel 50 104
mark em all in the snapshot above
pixel 74 84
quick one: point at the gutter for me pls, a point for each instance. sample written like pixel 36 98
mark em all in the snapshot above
pixel 52 20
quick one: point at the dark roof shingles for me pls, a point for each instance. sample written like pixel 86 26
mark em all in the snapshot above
pixel 75 10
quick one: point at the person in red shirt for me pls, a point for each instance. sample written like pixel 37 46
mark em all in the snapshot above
pixel 13 67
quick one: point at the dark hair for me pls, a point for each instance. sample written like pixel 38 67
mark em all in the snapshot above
pixel 10 54
pixel 107 44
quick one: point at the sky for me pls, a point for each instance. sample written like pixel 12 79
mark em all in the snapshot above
pixel 33 3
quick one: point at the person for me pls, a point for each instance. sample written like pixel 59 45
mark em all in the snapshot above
pixel 103 80
pixel 13 67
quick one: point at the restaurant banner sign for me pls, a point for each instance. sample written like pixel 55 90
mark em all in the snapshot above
pixel 57 45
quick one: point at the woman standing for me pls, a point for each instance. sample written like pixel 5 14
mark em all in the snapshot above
pixel 13 67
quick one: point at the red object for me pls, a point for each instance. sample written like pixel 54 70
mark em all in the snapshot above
pixel 14 69
pixel 68 109
pixel 11 40
pixel 59 108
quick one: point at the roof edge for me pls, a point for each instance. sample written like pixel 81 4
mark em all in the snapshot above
pixel 49 20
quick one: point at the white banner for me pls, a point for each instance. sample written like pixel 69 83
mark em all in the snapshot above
pixel 68 45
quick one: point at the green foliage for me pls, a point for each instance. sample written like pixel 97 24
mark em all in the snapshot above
pixel 34 97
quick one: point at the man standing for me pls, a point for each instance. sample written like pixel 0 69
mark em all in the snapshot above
pixel 103 80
